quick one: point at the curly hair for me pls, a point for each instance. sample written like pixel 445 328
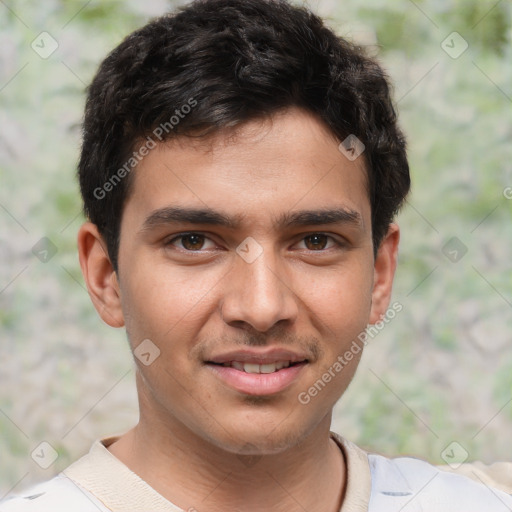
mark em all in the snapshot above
pixel 219 63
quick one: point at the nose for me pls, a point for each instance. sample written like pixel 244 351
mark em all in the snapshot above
pixel 258 294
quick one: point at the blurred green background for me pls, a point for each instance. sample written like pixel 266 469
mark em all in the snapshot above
pixel 440 371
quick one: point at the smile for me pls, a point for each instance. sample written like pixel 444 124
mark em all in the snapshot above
pixel 257 379
pixel 258 368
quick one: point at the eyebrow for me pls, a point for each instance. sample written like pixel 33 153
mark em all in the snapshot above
pixel 177 214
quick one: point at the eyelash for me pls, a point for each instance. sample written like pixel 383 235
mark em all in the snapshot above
pixel 168 243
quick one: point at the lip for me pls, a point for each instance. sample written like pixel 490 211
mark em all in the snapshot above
pixel 257 384
pixel 265 356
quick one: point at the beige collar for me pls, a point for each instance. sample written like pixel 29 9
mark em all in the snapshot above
pixel 120 489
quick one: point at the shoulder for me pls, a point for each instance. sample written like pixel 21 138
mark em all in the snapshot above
pixel 497 474
pixel 60 494
pixel 410 484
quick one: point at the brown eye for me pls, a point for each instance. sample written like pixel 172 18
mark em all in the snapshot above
pixel 191 242
pixel 316 242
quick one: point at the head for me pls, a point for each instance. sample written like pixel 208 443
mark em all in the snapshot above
pixel 226 119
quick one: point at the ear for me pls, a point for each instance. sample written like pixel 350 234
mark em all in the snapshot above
pixel 384 273
pixel 99 275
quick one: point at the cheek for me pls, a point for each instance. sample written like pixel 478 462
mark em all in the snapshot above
pixel 341 298
pixel 160 301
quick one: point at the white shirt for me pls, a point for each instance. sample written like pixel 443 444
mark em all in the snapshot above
pixel 101 482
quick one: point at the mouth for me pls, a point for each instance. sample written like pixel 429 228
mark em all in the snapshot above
pixel 258 376
pixel 252 367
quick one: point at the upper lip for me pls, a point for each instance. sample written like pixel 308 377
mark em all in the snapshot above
pixel 266 356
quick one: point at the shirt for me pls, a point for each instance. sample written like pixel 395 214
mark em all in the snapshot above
pixel 101 482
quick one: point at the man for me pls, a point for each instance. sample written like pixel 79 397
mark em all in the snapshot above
pixel 241 168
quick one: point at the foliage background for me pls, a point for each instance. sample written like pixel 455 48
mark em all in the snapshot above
pixel 440 372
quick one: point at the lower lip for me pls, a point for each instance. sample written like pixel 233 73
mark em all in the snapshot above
pixel 259 384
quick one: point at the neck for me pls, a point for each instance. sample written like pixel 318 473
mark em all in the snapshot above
pixel 195 474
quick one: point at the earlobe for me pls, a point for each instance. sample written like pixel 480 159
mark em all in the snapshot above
pixel 384 273
pixel 99 275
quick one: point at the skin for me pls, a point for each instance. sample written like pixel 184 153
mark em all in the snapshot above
pixel 199 442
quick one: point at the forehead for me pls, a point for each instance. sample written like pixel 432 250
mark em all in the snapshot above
pixel 256 174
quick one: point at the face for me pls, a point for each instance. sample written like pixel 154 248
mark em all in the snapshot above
pixel 248 264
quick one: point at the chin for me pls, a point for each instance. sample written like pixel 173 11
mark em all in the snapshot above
pixel 262 436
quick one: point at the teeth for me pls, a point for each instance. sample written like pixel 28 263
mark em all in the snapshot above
pixel 268 368
pixel 258 368
pixel 251 368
